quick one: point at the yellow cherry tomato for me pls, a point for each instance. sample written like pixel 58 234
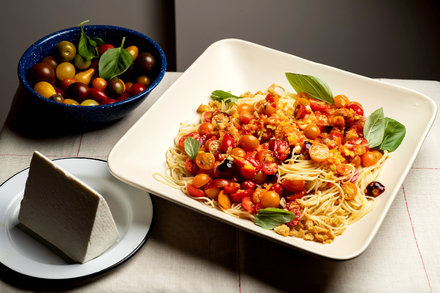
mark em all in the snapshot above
pixel 89 102
pixel 85 76
pixel 134 51
pixel 71 102
pixel 44 89
pixel 65 70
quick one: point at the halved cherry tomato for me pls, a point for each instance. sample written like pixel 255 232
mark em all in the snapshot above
pixel 356 107
pixel 223 200
pixel 191 167
pixel 248 184
pixel 206 128
pixel 231 187
pixel 245 117
pixel 293 185
pixel 201 180
pixel 240 194
pixel 340 101
pixel 281 149
pixel 265 156
pixel 248 171
pixel 319 152
pixel 247 204
pixel 244 108
pixel 217 183
pixel 205 161
pixel 228 142
pixel 350 190
pixel 195 192
pixel 299 111
pixel 269 168
pixel 194 135
pixel 278 188
pixel 320 106
pixel 238 152
pixel 296 195
pixel 343 169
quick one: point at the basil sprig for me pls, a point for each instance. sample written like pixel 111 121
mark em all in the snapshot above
pixel 88 46
pixel 227 97
pixel 114 62
pixel 192 147
pixel 270 218
pixel 383 132
pixel 311 85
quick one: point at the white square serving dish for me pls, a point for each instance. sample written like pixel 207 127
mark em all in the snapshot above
pixel 240 66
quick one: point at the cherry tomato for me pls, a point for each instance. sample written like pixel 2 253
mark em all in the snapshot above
pixel 340 101
pixel 249 142
pixel 103 48
pixel 134 51
pixel 299 111
pixel 370 158
pixel 213 146
pixel 278 188
pixel 45 89
pixel 343 169
pixel 269 168
pixel 265 156
pixel 97 95
pixel 85 76
pixel 137 88
pixel 231 188
pixel 247 204
pixel 320 106
pixel 293 185
pixel 270 199
pixel 71 102
pixel 206 128
pixel 319 152
pixel 78 91
pixel 145 80
pixel 356 107
pixel 201 180
pixel 66 82
pixel 205 161
pixel 296 195
pixel 223 200
pixel 350 190
pixel 245 117
pixel 191 167
pixel 244 108
pixel 269 109
pixel 260 177
pixel 109 101
pixel 89 102
pixel 81 63
pixel 212 192
pixel 195 192
pixel 281 149
pixel 228 142
pixel 65 70
pixel 65 51
pixel 115 87
pixel 248 171
pixel 42 72
pixel 240 194
pixel 57 98
pixel 144 63
pixel 238 152
pixel 312 131
pixel 194 135
pixel 51 61
pixel 248 184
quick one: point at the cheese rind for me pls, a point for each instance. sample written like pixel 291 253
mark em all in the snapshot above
pixel 65 212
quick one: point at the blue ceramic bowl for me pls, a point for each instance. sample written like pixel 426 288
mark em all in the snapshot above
pixel 82 116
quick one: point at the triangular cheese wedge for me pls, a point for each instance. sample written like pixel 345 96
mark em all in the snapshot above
pixel 65 212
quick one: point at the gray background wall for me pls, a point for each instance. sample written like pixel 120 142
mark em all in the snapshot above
pixel 388 38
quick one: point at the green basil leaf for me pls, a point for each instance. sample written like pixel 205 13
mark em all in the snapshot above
pixel 114 62
pixel 87 46
pixel 270 218
pixel 227 97
pixel 192 147
pixel 393 135
pixel 315 87
pixel 374 128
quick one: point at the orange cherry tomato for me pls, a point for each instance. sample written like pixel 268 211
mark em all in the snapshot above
pixel 270 199
pixel 293 185
pixel 99 83
pixel 341 101
pixel 244 108
pixel 238 152
pixel 134 51
pixel 249 142
pixel 245 117
pixel 312 131
pixel 223 200
pixel 319 152
pixel 350 190
pixel 205 161
pixel 201 180
pixel 370 158
pixel 206 128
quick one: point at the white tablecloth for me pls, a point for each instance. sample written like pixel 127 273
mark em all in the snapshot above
pixel 189 252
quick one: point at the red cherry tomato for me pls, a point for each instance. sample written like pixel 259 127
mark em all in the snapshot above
pixel 240 194
pixel 231 187
pixel 194 135
pixel 245 117
pixel 137 88
pixel 109 101
pixel 97 95
pixel 248 184
pixel 278 188
pixel 281 149
pixel 195 192
pixel 316 105
pixel 191 166
pixel 247 204
pixel 248 172
pixel 269 168
pixel 356 107
pixel 228 142
pixel 104 47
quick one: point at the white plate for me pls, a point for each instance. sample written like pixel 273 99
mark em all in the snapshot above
pixel 132 210
pixel 240 66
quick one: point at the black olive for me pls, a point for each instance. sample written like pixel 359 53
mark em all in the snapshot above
pixel 374 189
pixel 226 169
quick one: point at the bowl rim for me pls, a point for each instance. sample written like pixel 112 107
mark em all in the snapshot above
pixel 22 72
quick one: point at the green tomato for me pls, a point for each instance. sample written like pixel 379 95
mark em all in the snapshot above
pixel 81 63
pixel 65 51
